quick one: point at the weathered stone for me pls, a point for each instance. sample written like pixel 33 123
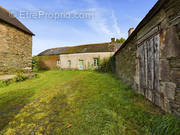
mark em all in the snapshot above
pixel 174 63
pixel 175 75
pixel 147 70
pixel 168 89
pixel 172 47
pixel 15 49
pixel 164 70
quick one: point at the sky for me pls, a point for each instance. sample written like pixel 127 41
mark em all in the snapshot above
pixel 58 23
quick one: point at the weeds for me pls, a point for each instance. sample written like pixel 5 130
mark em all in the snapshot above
pixel 80 103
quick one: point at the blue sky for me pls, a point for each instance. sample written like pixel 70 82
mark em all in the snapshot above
pixel 111 18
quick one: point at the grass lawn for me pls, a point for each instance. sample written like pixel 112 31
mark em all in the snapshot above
pixel 79 103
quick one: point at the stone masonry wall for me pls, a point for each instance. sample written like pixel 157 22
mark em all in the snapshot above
pixel 126 62
pixel 170 57
pixel 87 58
pixel 15 49
pixel 168 22
pixel 47 62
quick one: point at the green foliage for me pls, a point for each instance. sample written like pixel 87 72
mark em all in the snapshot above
pixel 35 61
pixel 3 83
pixel 166 125
pixel 20 77
pixel 79 103
pixel 121 40
pixel 107 65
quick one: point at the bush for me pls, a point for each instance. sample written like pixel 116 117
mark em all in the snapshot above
pixel 20 77
pixel 107 65
pixel 35 64
pixel 3 84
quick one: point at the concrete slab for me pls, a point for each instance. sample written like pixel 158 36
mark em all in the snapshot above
pixel 6 77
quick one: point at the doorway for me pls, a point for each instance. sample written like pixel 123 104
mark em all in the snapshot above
pixel 81 64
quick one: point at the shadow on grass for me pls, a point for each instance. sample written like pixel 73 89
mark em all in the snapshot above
pixel 11 105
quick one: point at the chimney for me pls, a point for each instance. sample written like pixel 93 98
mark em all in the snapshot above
pixel 113 40
pixel 130 31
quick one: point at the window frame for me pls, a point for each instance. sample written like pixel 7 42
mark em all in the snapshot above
pixel 58 62
pixel 96 62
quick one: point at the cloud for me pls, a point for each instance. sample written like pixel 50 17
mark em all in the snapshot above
pixel 105 21
pixel 115 24
pixel 99 23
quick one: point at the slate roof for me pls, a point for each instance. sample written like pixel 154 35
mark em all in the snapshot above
pixel 5 17
pixel 156 8
pixel 89 48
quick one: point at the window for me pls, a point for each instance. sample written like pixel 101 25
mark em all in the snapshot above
pixel 81 64
pixel 96 62
pixel 58 62
pixel 69 63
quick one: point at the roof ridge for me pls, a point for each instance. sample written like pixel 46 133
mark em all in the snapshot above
pixel 79 45
pixel 90 44
pixel 96 47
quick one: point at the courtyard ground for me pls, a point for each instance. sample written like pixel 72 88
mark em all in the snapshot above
pixel 79 103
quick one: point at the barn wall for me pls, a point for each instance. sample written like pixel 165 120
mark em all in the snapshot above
pixel 166 23
pixel 126 62
pixel 170 57
pixel 47 62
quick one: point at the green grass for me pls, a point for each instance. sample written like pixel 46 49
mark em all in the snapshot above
pixel 79 103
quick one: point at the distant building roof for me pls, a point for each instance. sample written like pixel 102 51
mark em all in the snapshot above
pixel 89 48
pixel 6 17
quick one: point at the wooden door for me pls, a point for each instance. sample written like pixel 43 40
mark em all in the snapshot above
pixel 148 54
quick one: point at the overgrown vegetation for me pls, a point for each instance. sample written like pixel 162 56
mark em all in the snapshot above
pixel 4 83
pixel 35 61
pixel 107 65
pixel 79 103
pixel 18 78
pixel 121 40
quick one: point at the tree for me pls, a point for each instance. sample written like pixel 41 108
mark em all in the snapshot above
pixel 121 40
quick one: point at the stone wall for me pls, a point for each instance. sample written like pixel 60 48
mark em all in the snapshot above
pixel 87 58
pixel 15 49
pixel 166 23
pixel 47 62
pixel 126 62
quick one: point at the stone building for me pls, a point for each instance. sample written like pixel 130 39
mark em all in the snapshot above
pixel 149 60
pixel 81 57
pixel 15 44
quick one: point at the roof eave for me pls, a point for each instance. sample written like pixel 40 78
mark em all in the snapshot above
pixel 30 33
pixel 149 16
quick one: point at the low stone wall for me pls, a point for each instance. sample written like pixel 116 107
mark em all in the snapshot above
pixel 166 24
pixel 15 49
